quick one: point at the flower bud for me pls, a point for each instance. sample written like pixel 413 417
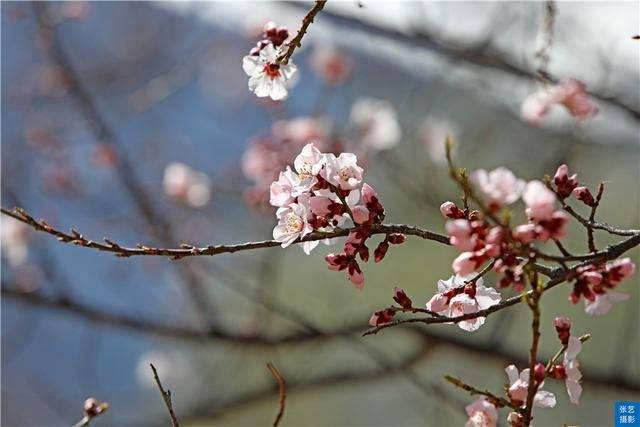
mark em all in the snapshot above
pixel 396 238
pixel 400 296
pixel 565 183
pixel 539 372
pixel 450 210
pixel 563 328
pixel 381 317
pixel 380 252
pixel 584 195
pixel 558 372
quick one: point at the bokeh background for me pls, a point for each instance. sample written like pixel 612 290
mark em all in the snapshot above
pixel 99 98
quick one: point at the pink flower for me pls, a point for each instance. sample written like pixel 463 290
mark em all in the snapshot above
pixel 292 224
pixel 518 389
pixel 465 264
pixel 308 164
pixel 267 76
pixel 185 185
pixel 377 123
pixel 602 303
pixel 360 214
pixel 453 300
pixel 342 171
pixel 481 413
pixel 570 93
pixel 539 199
pixel 282 191
pixel 461 234
pixel 573 95
pixel 331 65
pixel 500 186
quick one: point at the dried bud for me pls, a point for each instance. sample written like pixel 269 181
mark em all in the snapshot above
pixel 400 296
pixel 396 238
pixel 563 328
pixel 381 317
pixel 539 372
pixel 584 195
pixel 380 252
pixel 450 210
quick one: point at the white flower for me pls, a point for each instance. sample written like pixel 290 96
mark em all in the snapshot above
pixel 377 123
pixel 14 240
pixel 603 302
pixel 481 414
pixel 342 171
pixel 267 76
pixel 500 186
pixel 519 386
pixel 572 370
pixel 186 185
pixel 282 191
pixel 462 303
pixel 292 224
pixel 308 165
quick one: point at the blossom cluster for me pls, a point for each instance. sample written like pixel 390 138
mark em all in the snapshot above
pixel 569 93
pixel 320 194
pixel 268 75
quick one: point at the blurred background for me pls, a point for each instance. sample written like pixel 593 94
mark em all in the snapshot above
pixel 133 121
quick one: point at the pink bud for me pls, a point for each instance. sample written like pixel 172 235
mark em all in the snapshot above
pixel 563 328
pixel 584 195
pixel 380 252
pixel 559 372
pixel 450 210
pixel 564 183
pixel 368 193
pixel 400 296
pixel 355 274
pixel 335 262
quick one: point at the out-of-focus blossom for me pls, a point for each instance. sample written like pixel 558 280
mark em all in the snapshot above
pixel 333 66
pixel 377 123
pixel 15 240
pixel 185 185
pixel 518 389
pixel 433 133
pixel 482 413
pixel 570 93
pixel 539 199
pixel 267 76
pixel 172 365
pixel 500 186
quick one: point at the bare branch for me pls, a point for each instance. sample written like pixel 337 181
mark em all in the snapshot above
pixel 166 396
pixel 282 386
pixel 297 40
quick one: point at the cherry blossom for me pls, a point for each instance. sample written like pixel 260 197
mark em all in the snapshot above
pixel 292 224
pixel 518 389
pixel 539 199
pixel 455 298
pixel 268 77
pixel 308 164
pixel 186 185
pixel 570 93
pixel 602 303
pixel 331 65
pixel 343 171
pixel 283 190
pixel 500 186
pixel 482 413
pixel 377 123
pixel 597 283
pixel 572 370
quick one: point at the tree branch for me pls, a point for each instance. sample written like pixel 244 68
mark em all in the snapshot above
pixel 282 386
pixel 166 396
pixel 297 40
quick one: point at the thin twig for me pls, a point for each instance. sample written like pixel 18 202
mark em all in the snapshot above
pixel 497 400
pixel 282 389
pixel 592 215
pixel 76 238
pixel 166 396
pixel 297 40
pixel 534 304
